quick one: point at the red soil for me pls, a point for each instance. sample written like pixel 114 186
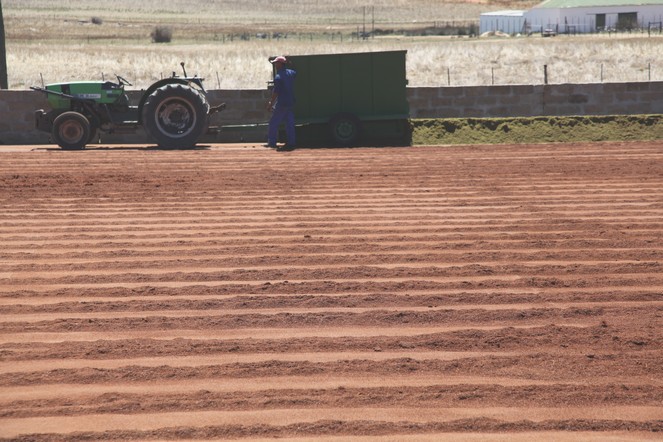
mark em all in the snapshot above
pixel 423 293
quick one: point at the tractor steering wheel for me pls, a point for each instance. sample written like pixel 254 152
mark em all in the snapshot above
pixel 123 81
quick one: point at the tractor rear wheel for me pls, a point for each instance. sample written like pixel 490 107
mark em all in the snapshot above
pixel 71 130
pixel 175 115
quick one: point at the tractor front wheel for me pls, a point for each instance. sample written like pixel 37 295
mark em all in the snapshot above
pixel 71 130
pixel 175 115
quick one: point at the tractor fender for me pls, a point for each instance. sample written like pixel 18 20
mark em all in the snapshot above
pixel 156 86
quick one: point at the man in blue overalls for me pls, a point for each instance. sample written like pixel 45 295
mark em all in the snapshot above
pixel 282 103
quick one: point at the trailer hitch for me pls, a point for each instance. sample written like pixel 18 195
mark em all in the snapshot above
pixel 215 109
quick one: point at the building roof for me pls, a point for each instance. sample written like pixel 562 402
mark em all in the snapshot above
pixel 507 13
pixel 559 4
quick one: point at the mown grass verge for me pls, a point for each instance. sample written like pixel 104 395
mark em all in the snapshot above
pixel 536 129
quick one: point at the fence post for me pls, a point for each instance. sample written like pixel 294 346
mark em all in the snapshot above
pixel 545 74
pixel 4 80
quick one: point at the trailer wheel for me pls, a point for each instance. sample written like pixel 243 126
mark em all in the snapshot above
pixel 345 129
pixel 175 115
pixel 71 130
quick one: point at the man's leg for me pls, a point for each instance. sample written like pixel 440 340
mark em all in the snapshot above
pixel 290 127
pixel 274 123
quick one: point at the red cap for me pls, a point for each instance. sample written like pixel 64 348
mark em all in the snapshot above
pixel 279 59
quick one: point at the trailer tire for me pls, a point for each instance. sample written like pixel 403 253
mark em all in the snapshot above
pixel 175 116
pixel 71 130
pixel 345 129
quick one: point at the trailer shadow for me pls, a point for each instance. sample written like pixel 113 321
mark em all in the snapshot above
pixel 361 146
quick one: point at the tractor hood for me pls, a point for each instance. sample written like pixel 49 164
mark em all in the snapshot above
pixel 100 92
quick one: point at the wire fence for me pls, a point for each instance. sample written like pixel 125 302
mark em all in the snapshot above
pixel 460 28
pixel 549 74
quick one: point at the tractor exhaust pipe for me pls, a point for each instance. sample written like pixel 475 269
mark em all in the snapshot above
pixel 183 70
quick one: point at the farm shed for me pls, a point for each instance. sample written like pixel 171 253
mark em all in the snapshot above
pixel 509 22
pixel 583 16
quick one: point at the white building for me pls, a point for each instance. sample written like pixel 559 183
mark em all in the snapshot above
pixel 581 16
pixel 509 22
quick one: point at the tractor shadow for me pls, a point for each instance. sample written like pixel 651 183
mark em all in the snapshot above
pixel 110 148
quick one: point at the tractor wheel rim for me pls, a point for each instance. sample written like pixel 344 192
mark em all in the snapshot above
pixel 71 132
pixel 176 117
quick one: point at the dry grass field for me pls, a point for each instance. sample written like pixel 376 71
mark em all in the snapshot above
pixel 232 14
pixel 61 43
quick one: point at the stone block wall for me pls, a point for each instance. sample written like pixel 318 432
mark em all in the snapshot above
pixel 17 119
pixel 538 100
pixel 245 116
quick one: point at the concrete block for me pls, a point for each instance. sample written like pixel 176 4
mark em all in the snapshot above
pixel 423 112
pixel 578 98
pixel 414 93
pixel 451 92
pixel 253 94
pixel 464 101
pixel 618 109
pixel 625 97
pixel 594 109
pixel 526 89
pixel 450 113
pixel 476 91
pixel 638 87
pixel 441 101
pixel 420 92
pixel 501 90
pixel 650 96
pixel 656 100
pixel 255 117
pixel 523 111
pixel 486 100
pixel 475 112
pixel 559 89
pixel 26 118
pixel 614 87
pixel 501 111
pixel 511 100
pixel 419 103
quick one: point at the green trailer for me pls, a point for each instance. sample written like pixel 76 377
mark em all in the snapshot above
pixel 353 98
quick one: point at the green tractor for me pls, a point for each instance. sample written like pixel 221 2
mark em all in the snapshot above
pixel 173 111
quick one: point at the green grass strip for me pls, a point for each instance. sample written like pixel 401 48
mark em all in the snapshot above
pixel 536 129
